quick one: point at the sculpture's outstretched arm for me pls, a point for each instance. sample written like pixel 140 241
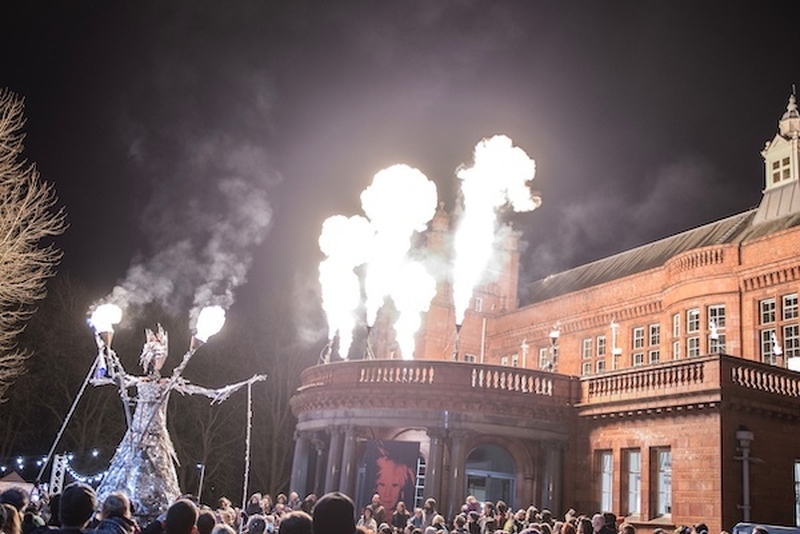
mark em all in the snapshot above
pixel 216 395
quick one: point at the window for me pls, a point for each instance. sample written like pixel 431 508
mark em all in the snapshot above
pixel 716 316
pixel 504 361
pixel 638 359
pixel 663 481
pixel 716 345
pixel 767 343
pixel 601 346
pixel 515 360
pixel 606 468
pixel 478 304
pixel 692 347
pixel 587 348
pixel 791 341
pixel 615 362
pixel 676 325
pixel 543 358
pixel 767 311
pixel 789 307
pixel 632 481
pixel 586 368
pixel 655 334
pixel 655 356
pixel 693 320
pixel 638 337
pixel 470 358
pixel 601 366
pixel 676 350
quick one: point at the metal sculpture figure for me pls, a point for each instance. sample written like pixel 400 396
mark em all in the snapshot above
pixel 143 465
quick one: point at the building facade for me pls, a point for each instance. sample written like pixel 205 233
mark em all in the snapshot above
pixel 656 384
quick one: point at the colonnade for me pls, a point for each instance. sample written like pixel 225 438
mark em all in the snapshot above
pixel 333 456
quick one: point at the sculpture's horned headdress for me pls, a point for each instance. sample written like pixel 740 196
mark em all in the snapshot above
pixel 155 350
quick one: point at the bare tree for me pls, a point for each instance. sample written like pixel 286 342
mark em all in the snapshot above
pixel 28 217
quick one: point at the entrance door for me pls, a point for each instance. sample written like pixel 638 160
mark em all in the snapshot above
pixel 491 475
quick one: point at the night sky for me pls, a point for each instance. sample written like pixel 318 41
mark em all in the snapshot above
pixel 645 118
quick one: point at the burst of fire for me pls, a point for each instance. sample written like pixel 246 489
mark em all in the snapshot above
pixel 346 242
pixel 209 322
pixel 499 177
pixel 412 297
pixel 400 201
pixel 104 317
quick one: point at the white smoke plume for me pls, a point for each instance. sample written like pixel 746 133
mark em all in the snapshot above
pixel 412 296
pixel 499 177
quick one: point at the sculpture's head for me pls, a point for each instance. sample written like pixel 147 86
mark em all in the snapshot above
pixel 154 351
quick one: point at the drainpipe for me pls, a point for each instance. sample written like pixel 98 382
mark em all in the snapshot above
pixel 483 340
pixel 745 438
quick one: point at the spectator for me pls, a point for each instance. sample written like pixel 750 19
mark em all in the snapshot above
pixel 223 528
pixel 297 522
pixel 116 515
pixel 334 513
pixel 76 507
pixel 9 519
pixel 256 524
pixel 206 521
pixel 181 517
pixel 294 501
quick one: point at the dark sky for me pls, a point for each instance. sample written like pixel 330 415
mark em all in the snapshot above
pixel 645 118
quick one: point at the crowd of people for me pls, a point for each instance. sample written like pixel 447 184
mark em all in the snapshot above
pixel 76 511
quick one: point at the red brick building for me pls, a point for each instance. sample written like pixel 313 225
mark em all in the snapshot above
pixel 654 383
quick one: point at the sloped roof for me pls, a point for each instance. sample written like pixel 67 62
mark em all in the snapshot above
pixel 736 229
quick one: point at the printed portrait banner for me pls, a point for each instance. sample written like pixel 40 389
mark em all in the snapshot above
pixel 390 472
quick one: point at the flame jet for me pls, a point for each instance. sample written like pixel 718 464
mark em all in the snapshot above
pixel 400 201
pixel 346 242
pixel 412 296
pixel 499 177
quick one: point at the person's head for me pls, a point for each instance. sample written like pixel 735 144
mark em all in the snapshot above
pixel 585 526
pixel 181 517
pixel 758 529
pixel 296 522
pixel 256 524
pixel 116 504
pixel 255 498
pixel 701 528
pixel 16 497
pixel 417 512
pixel 206 521
pixel 460 521
pixel 222 528
pixel 77 505
pixel 280 499
pixel 627 528
pixel 568 528
pixel 501 507
pixel 491 524
pixel 12 524
pixel 367 513
pixel 437 521
pixel 224 502
pixel 334 513
pixel 390 481
pixel 293 496
pixel 430 504
pixel 384 528
pixel 598 521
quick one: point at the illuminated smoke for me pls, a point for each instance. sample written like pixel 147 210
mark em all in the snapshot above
pixel 400 201
pixel 412 297
pixel 345 242
pixel 499 177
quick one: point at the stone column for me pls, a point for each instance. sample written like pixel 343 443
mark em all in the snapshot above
pixel 433 468
pixel 456 488
pixel 318 485
pixel 551 482
pixel 302 446
pixel 334 459
pixel 347 478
